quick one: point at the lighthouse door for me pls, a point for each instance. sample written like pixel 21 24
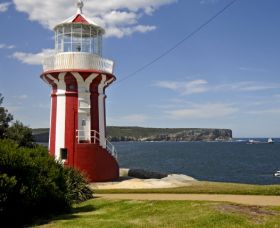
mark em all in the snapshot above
pixel 84 115
pixel 84 127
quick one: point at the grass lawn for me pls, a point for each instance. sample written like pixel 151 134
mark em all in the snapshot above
pixel 130 213
pixel 204 187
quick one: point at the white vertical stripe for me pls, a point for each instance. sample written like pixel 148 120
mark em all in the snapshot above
pixel 51 105
pixel 101 109
pixel 60 115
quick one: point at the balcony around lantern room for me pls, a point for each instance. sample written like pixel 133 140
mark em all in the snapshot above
pixel 77 60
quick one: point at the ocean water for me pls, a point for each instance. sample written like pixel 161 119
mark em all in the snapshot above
pixel 211 161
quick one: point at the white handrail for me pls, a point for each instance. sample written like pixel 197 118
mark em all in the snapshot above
pixel 94 138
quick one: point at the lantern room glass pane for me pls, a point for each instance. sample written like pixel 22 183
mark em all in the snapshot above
pixel 86 47
pixel 78 38
pixel 67 29
pixel 76 47
pixel 67 47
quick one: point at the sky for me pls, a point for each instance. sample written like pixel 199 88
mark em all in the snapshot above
pixel 225 76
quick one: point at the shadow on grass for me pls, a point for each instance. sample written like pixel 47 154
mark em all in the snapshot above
pixel 72 214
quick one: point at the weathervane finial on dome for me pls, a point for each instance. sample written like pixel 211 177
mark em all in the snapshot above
pixel 80 5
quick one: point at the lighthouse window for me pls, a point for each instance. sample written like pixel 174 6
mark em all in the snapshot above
pixel 67 47
pixel 83 122
pixel 59 42
pixel 76 47
pixel 78 38
pixel 67 30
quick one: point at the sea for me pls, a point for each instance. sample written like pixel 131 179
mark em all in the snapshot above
pixel 233 161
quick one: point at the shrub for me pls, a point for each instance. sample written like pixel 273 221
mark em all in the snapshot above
pixel 6 187
pixel 77 185
pixel 33 184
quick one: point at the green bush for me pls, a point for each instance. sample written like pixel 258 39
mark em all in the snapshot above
pixel 33 184
pixel 6 187
pixel 77 185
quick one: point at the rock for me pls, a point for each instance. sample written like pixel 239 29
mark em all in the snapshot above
pixel 179 178
pixel 145 174
pixel 171 181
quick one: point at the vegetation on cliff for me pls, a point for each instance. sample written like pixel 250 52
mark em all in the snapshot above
pixel 167 134
pixel 153 134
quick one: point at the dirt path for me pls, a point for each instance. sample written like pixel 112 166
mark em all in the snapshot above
pixel 240 199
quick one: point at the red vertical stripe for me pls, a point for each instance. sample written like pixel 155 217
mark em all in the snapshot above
pixel 94 107
pixel 71 118
pixel 53 123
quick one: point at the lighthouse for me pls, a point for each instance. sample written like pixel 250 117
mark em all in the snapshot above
pixel 78 76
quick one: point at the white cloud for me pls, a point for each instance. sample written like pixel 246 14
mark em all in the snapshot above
pixel 42 106
pixel 204 111
pixel 118 17
pixel 128 120
pixel 202 86
pixel 202 2
pixel 252 69
pixel 274 111
pixel 248 86
pixel 5 46
pixel 185 88
pixel 135 118
pixel 30 58
pixel 121 32
pixel 21 97
pixel 4 6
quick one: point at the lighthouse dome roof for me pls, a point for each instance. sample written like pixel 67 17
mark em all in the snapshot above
pixel 80 18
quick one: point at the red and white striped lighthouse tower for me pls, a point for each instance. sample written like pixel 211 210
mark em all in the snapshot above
pixel 78 76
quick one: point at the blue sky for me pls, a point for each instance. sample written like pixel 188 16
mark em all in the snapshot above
pixel 226 76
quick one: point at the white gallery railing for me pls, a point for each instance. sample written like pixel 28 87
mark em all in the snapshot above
pixel 94 138
pixel 77 60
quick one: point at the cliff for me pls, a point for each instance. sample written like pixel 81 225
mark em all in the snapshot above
pixel 153 134
pixel 167 134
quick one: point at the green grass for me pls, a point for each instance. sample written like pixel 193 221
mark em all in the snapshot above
pixel 202 187
pixel 130 213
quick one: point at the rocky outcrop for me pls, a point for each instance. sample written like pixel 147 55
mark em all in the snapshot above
pixel 154 134
pixel 148 182
pixel 198 134
pixel 145 174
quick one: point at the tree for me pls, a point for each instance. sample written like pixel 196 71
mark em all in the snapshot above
pixel 5 118
pixel 21 134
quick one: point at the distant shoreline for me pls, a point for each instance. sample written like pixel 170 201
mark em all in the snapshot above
pixel 120 134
